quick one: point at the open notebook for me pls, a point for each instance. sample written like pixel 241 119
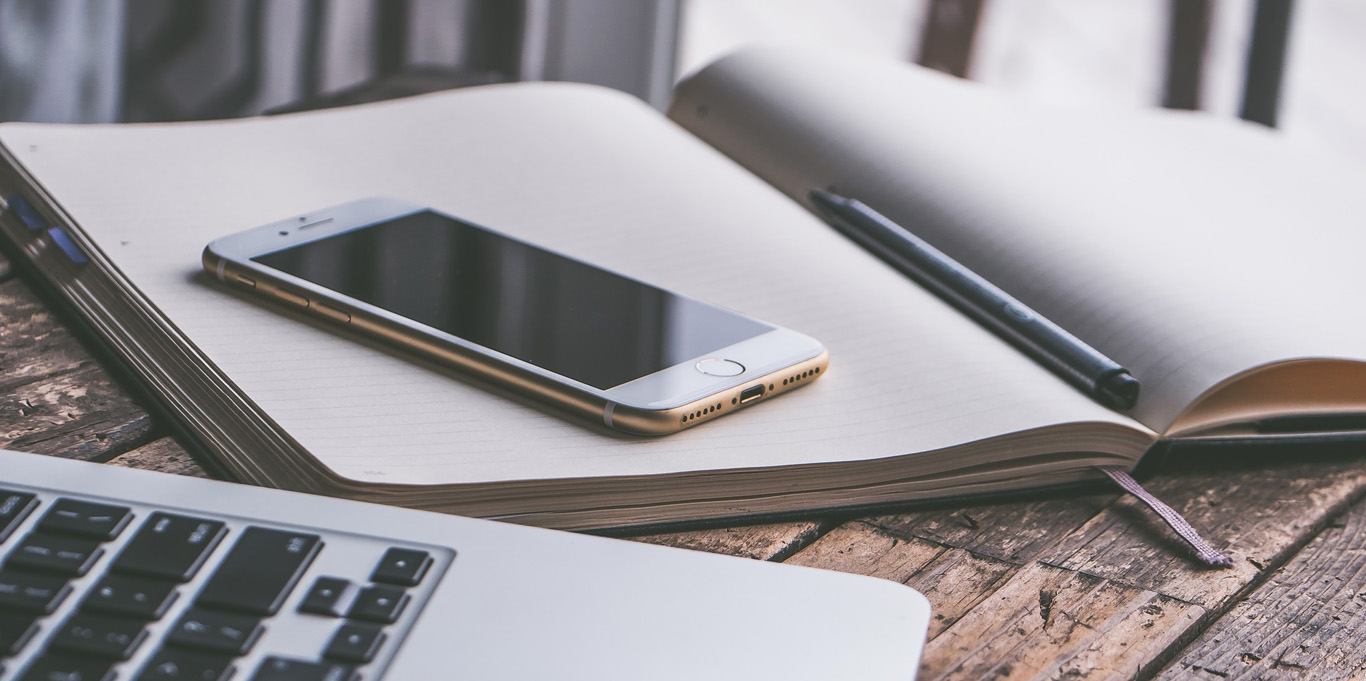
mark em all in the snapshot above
pixel 1156 238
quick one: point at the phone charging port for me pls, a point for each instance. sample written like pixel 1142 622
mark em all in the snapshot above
pixel 751 394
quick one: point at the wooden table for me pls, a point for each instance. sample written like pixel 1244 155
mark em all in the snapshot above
pixel 1089 587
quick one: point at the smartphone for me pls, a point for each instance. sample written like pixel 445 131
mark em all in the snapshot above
pixel 603 346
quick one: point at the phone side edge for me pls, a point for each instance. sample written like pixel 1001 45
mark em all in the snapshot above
pixel 391 334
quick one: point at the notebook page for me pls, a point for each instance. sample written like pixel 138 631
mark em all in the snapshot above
pixel 581 170
pixel 1187 248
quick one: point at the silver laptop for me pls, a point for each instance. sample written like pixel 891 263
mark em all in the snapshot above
pixel 109 573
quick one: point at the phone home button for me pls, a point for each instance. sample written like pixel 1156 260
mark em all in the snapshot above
pixel 715 366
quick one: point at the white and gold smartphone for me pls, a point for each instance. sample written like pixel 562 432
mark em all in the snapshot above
pixel 594 343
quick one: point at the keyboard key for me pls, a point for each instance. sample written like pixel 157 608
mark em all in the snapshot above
pixel 60 555
pixel 330 596
pixel 404 567
pixel 379 604
pixel 170 664
pixel 260 571
pixel 14 507
pixel 99 636
pixel 170 547
pixel 53 667
pixel 31 592
pixel 284 669
pixel 216 632
pixel 15 632
pixel 356 643
pixel 84 519
pixel 137 597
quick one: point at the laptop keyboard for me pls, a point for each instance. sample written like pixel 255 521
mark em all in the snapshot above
pixel 98 589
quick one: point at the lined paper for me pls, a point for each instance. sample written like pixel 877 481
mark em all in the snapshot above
pixel 581 170
pixel 1189 249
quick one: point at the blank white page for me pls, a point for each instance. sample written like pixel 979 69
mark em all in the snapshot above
pixel 581 170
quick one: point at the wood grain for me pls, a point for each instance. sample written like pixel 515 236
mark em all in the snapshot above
pixel 1307 621
pixel 999 620
pixel 1047 622
pixel 1128 590
pixel 164 455
pixel 54 397
pixel 954 580
pixel 1015 532
pixel 760 542
pixel 1260 512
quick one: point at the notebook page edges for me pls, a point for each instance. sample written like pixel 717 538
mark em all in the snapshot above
pixel 1187 248
pixel 581 170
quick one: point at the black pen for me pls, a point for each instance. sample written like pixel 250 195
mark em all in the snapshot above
pixel 1048 344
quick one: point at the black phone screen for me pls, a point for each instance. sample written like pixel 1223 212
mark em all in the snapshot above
pixel 557 313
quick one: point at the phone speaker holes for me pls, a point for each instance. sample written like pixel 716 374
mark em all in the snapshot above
pixel 702 412
pixel 801 376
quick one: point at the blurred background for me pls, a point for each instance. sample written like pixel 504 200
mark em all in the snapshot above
pixel 1296 66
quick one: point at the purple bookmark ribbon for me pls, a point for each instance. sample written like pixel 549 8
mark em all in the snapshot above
pixel 1203 550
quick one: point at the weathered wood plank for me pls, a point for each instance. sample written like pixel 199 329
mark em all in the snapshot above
pixel 760 542
pixel 1135 592
pixel 1260 508
pixel 164 455
pixel 953 579
pixel 54 397
pixel 1014 532
pixel 1259 511
pixel 1046 622
pixel 1307 621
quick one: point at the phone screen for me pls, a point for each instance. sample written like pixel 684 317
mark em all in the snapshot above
pixel 560 314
